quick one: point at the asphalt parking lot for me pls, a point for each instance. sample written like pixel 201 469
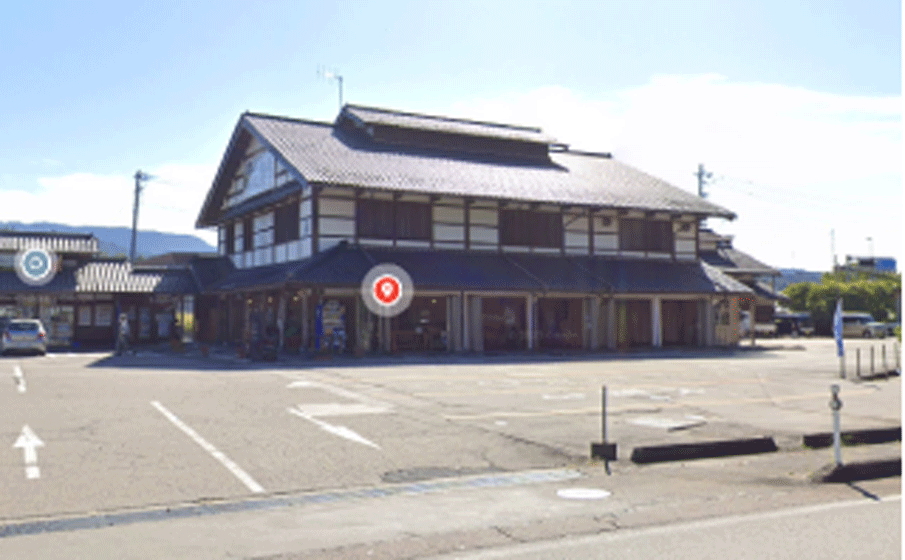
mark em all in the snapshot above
pixel 152 429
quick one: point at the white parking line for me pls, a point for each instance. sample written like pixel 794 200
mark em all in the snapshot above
pixel 246 479
pixel 19 377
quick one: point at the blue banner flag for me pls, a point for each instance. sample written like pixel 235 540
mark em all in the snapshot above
pixel 837 328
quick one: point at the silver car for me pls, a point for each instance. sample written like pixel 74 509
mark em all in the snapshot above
pixel 23 335
pixel 862 325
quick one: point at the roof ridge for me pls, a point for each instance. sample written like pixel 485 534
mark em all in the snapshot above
pixel 445 118
pixel 285 118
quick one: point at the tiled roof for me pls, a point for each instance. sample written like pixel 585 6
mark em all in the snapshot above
pixel 345 266
pixel 106 277
pixel 270 276
pixel 763 290
pixel 56 242
pixel 449 125
pixel 732 260
pixel 208 270
pixel 118 277
pixel 323 154
pixel 63 282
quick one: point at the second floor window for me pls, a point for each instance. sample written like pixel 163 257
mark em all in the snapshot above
pixel 387 219
pixel 286 223
pixel 525 228
pixel 248 234
pixel 645 235
pixel 230 231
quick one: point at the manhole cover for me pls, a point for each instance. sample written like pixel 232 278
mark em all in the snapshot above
pixel 582 493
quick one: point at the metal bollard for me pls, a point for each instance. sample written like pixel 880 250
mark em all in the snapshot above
pixel 835 406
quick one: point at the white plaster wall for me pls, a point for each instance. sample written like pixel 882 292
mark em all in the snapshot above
pixel 336 207
pixel 337 226
pixel 484 235
pixel 449 214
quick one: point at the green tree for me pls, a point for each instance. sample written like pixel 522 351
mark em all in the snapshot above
pixel 877 294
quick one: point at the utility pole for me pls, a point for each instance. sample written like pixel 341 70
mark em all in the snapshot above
pixel 833 248
pixel 139 177
pixel 703 176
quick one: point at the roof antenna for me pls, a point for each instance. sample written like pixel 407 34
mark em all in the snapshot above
pixel 332 75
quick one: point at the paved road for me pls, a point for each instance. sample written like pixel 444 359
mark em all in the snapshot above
pixel 139 433
pixel 853 529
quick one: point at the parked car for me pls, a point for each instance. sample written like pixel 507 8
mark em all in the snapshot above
pixel 760 329
pixel 862 325
pixel 794 323
pixel 24 335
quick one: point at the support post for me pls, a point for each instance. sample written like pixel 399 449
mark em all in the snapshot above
pixel 885 366
pixel 872 361
pixel 604 450
pixel 858 363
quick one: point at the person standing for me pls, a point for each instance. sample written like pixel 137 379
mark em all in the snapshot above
pixel 122 338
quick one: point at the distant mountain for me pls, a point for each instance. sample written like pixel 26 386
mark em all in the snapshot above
pixel 794 276
pixel 114 241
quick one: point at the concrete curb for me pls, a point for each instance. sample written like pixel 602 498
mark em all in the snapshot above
pixel 703 450
pixel 865 470
pixel 854 437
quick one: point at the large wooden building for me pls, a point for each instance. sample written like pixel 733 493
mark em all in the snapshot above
pixel 513 240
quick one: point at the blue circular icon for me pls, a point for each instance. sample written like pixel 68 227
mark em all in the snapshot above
pixel 35 266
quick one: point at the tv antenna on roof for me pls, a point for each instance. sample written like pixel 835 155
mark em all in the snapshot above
pixel 332 75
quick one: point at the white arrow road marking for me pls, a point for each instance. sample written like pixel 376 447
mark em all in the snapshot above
pixel 362 405
pixel 19 377
pixel 29 442
pixel 339 392
pixel 340 431
pixel 243 476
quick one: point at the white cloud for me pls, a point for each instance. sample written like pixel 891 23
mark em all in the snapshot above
pixel 170 202
pixel 792 163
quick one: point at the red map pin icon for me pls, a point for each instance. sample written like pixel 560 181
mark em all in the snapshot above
pixel 387 289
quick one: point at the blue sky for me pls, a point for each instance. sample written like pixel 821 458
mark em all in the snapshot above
pixel 794 106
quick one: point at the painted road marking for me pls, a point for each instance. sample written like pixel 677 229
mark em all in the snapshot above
pixel 340 431
pixel 28 441
pixel 19 377
pixel 313 412
pixel 669 424
pixel 596 410
pixel 565 397
pixel 338 391
pixel 232 467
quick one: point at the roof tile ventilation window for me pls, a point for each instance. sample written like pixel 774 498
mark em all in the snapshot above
pixel 527 228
